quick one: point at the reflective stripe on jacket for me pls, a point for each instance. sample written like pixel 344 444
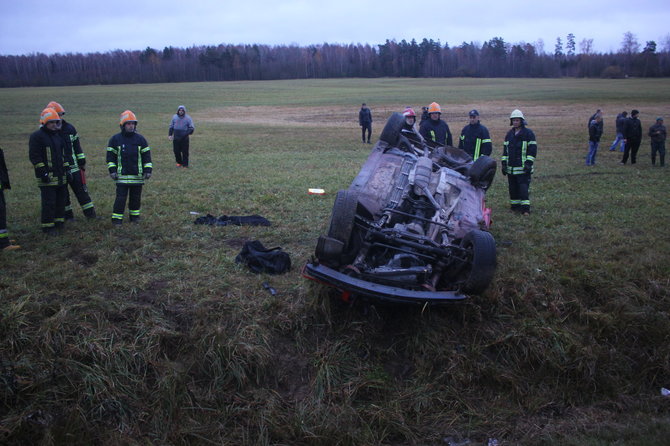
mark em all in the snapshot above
pixel 519 149
pixel 129 156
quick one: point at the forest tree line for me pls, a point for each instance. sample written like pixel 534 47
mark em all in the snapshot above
pixel 428 58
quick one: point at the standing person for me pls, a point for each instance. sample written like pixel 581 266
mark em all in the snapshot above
pixel 129 164
pixel 75 161
pixel 518 160
pixel 424 114
pixel 45 151
pixel 658 133
pixel 632 137
pixel 365 121
pixel 620 122
pixel 595 132
pixel 5 243
pixel 409 129
pixel 181 127
pixel 434 129
pixel 475 138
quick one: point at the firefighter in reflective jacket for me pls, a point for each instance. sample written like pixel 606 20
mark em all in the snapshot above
pixel 5 243
pixel 75 160
pixel 129 164
pixel 518 159
pixel 45 151
pixel 475 138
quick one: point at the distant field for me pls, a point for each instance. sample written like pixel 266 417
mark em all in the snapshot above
pixel 152 334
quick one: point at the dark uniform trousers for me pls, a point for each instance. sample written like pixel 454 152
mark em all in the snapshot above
pixel 4 239
pixel 519 186
pixel 131 192
pixel 81 192
pixel 53 206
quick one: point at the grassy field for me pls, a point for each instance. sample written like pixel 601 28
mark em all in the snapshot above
pixel 152 334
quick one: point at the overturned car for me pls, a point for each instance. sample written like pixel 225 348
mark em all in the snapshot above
pixel 413 225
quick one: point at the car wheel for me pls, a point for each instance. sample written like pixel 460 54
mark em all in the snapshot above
pixel 482 171
pixel 391 131
pixel 342 217
pixel 481 252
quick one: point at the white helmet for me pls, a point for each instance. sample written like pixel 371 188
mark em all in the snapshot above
pixel 516 114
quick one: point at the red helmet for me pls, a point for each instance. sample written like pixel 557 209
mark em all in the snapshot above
pixel 409 112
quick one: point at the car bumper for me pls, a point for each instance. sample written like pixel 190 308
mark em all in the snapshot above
pixel 358 287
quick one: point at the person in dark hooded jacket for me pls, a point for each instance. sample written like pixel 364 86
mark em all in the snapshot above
pixel 181 127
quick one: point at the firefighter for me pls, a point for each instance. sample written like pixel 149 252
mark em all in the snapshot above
pixel 129 164
pixel 518 160
pixel 434 129
pixel 5 243
pixel 75 160
pixel 45 151
pixel 409 129
pixel 475 138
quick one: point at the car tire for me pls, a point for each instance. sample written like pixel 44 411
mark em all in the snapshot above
pixel 342 217
pixel 482 172
pixel 391 132
pixel 480 247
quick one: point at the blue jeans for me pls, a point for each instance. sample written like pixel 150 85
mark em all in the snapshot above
pixel 591 157
pixel 619 139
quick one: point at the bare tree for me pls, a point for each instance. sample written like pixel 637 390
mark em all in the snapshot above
pixel 630 45
pixel 586 46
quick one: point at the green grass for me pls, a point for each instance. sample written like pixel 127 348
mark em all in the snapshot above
pixel 152 334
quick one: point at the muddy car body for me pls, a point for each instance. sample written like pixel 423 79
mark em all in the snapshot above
pixel 412 226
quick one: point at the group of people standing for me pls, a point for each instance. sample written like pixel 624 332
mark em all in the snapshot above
pixel 519 147
pixel 58 161
pixel 628 137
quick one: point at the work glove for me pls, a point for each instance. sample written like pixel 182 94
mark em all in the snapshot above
pixel 114 176
pixel 527 167
pixel 45 177
pixel 504 168
pixel 147 175
pixel 6 185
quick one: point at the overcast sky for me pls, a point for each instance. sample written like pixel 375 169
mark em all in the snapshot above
pixel 83 26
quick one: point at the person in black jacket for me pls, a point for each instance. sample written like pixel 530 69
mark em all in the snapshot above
pixel 475 138
pixel 75 160
pixel 365 121
pixel 129 164
pixel 45 151
pixel 5 243
pixel 632 137
pixel 620 122
pixel 434 130
pixel 518 161
pixel 595 132
pixel 658 134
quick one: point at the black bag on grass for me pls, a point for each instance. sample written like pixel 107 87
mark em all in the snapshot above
pixel 260 259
